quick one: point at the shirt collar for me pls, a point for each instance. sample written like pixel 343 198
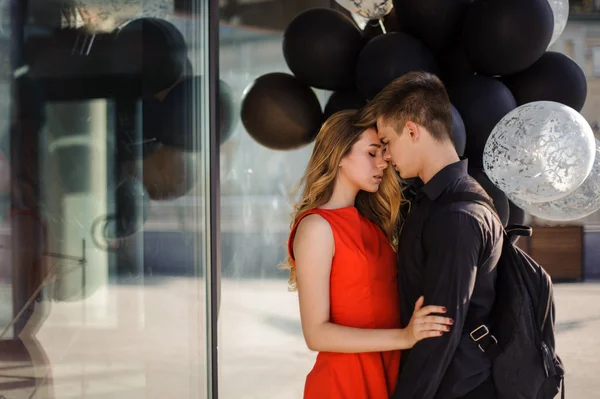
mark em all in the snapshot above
pixel 438 183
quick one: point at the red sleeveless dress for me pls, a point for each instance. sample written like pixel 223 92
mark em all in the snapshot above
pixel 363 294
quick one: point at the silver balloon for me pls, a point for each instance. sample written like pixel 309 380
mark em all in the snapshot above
pixel 370 9
pixel 106 15
pixel 582 202
pixel 560 9
pixel 540 152
pixel 361 22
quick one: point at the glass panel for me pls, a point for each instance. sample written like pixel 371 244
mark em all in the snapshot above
pixel 261 347
pixel 103 193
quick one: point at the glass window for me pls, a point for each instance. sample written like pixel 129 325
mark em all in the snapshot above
pixel 105 283
pixel 261 347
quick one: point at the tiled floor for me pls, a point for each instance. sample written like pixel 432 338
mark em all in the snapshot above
pixel 146 340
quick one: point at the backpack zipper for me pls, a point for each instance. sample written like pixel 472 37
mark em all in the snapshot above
pixel 548 302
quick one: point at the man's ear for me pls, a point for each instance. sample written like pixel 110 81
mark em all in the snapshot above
pixel 413 130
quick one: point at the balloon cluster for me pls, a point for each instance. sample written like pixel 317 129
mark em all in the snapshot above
pixel 142 61
pixel 168 143
pixel 492 55
pixel 544 157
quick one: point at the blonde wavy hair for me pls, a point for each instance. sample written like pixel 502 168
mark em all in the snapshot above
pixel 333 142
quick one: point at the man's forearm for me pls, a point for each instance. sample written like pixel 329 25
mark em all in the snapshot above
pixel 426 365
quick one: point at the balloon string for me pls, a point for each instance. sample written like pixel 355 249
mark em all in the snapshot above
pixel 382 26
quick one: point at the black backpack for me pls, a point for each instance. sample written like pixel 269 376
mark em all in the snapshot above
pixel 521 340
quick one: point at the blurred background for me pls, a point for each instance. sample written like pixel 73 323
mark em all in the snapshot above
pixel 141 225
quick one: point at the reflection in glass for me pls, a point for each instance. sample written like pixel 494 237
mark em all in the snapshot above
pixel 102 235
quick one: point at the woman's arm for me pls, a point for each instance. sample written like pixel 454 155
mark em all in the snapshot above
pixel 313 252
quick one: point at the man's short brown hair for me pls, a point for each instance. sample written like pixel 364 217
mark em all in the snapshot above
pixel 416 96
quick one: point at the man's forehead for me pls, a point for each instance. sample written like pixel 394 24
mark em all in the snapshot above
pixel 382 123
pixel 381 128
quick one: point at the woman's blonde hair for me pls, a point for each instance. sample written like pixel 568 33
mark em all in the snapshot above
pixel 333 142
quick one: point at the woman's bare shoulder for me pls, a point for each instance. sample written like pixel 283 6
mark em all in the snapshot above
pixel 313 233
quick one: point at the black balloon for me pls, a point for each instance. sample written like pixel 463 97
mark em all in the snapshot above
pixel 171 121
pixel 387 57
pixel 342 100
pixel 454 64
pixel 435 22
pixel 506 36
pixel 228 112
pixel 168 173
pixel 500 199
pixel 372 29
pixel 320 46
pixel 133 206
pixel 154 47
pixel 481 101
pixel 516 216
pixel 391 22
pixel 281 113
pixel 459 133
pixel 554 77
pixel 130 143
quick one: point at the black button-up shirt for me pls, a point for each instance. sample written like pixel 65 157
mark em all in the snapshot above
pixel 451 262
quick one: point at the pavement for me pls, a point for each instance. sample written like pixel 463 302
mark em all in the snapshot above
pixel 146 339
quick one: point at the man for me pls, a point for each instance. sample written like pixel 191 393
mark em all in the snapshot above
pixel 450 257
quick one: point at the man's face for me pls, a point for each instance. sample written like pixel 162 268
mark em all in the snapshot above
pixel 399 148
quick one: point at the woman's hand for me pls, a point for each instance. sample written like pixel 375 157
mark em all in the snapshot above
pixel 423 325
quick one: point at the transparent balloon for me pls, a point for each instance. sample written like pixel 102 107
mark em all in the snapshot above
pixel 370 9
pixel 540 152
pixel 106 15
pixel 361 22
pixel 582 202
pixel 560 9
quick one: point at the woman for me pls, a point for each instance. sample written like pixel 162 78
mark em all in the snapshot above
pixel 343 263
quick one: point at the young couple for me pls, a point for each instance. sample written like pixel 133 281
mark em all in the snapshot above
pixel 388 301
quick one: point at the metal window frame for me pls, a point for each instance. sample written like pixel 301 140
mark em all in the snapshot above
pixel 209 31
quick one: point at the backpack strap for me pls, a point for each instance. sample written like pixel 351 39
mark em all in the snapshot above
pixel 479 333
pixel 518 230
pixel 466 196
